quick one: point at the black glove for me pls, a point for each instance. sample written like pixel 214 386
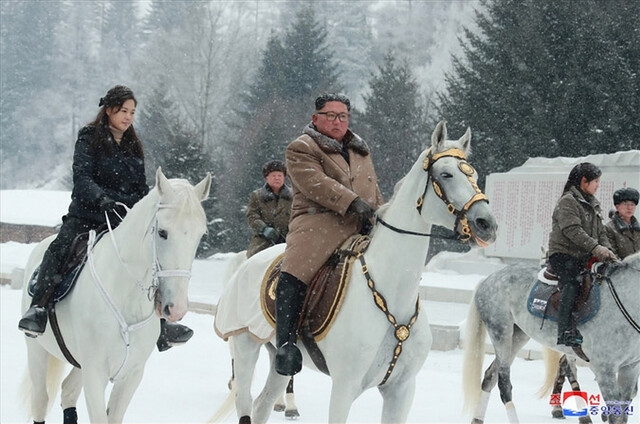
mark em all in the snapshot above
pixel 270 234
pixel 107 204
pixel 362 208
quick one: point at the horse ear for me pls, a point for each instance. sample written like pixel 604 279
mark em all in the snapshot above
pixel 439 134
pixel 203 187
pixel 465 140
pixel 163 184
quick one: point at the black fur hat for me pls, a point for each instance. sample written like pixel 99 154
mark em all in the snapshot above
pixel 273 165
pixel 624 194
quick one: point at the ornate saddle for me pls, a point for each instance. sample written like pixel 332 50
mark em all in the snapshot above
pixel 544 298
pixel 324 295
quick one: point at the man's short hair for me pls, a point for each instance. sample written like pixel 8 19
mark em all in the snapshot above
pixel 332 97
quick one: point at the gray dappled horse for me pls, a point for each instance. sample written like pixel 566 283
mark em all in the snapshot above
pixel 611 337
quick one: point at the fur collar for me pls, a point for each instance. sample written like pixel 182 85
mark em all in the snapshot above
pixel 331 145
pixel 621 225
pixel 267 194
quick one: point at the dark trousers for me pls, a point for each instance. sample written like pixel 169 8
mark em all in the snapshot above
pixel 49 275
pixel 568 269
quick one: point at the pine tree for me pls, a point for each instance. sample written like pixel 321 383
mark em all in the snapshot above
pixel 546 78
pixel 394 122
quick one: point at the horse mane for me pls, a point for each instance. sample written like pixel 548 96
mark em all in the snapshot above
pixel 186 199
pixel 631 262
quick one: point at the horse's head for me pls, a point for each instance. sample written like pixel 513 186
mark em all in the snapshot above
pixel 179 226
pixel 453 181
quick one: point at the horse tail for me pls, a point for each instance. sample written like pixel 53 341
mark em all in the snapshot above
pixel 227 406
pixel 233 265
pixel 551 365
pixel 474 340
pixel 55 369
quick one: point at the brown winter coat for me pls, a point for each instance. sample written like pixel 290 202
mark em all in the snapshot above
pixel 577 225
pixel 624 239
pixel 266 209
pixel 324 185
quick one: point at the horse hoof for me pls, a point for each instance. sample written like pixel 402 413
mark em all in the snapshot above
pixel 585 420
pixel 278 407
pixel 477 421
pixel 245 419
pixel 292 414
pixel 557 413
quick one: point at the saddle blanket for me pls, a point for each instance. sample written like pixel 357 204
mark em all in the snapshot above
pixel 239 308
pixel 544 298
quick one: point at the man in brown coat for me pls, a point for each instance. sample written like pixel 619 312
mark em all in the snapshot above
pixel 335 194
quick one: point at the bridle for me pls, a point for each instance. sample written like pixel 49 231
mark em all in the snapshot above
pixel 156 273
pixel 461 214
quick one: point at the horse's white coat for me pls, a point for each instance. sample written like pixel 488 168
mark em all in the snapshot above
pixel 360 345
pixel 610 342
pixel 90 329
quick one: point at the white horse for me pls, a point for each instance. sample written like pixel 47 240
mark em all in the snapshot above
pixel 611 337
pixel 111 319
pixel 370 344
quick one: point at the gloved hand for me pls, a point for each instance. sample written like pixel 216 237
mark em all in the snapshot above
pixel 362 208
pixel 604 253
pixel 270 234
pixel 107 204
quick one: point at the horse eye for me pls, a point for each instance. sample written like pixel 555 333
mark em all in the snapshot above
pixel 163 234
pixel 446 175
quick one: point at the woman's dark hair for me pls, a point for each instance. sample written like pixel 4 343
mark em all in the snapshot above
pixel 130 142
pixel 584 169
pixel 332 97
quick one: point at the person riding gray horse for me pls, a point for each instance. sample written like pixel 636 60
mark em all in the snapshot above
pixel 577 235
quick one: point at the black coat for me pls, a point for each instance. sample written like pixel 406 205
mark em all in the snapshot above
pixel 96 174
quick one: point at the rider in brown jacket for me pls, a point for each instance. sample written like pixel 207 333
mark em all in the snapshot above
pixel 335 194
pixel 577 234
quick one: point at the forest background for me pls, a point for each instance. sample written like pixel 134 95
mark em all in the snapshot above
pixel 224 86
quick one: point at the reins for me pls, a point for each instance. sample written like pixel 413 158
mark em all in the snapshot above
pixel 617 300
pixel 414 233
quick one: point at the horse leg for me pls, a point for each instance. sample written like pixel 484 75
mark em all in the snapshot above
pixel 122 392
pixel 94 385
pixel 570 370
pixel 343 393
pixel 505 355
pixel 245 354
pixel 71 389
pixel 608 384
pixel 274 387
pixel 488 383
pixel 397 399
pixel 292 410
pixel 38 359
pixel 628 384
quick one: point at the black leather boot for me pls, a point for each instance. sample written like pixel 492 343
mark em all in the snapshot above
pixel 34 320
pixel 172 335
pixel 290 295
pixel 566 334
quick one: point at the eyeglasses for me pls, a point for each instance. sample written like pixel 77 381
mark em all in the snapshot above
pixel 331 116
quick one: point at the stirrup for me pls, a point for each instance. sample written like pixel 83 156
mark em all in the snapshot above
pixel 34 321
pixel 288 359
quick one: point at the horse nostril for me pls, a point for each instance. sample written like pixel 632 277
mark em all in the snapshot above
pixel 167 309
pixel 483 224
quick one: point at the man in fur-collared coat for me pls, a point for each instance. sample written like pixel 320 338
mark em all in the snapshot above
pixel 623 229
pixel 269 209
pixel 335 195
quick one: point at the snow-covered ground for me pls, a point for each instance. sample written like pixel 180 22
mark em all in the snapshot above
pixel 187 384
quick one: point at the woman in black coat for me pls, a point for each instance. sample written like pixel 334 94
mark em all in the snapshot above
pixel 108 169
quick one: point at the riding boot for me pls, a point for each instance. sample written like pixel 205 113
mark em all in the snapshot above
pixel 566 334
pixel 290 294
pixel 172 335
pixel 34 320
